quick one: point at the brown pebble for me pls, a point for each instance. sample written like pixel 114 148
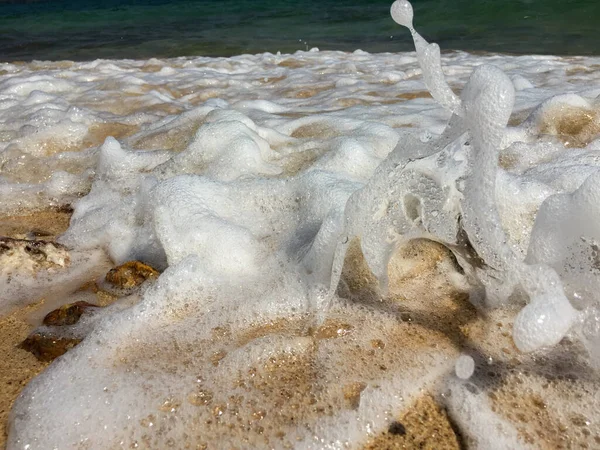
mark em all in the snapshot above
pixel 67 314
pixel 130 275
pixel 47 348
pixel 397 428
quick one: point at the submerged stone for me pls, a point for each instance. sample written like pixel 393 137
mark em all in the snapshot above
pixel 67 314
pixel 48 347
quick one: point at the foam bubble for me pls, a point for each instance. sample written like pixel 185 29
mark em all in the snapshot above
pixel 402 13
pixel 464 367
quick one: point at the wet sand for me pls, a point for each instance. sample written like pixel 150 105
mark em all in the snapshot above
pixel 424 424
pixel 528 395
pixel 40 225
pixel 17 366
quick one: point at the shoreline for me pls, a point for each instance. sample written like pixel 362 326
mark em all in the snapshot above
pixel 300 53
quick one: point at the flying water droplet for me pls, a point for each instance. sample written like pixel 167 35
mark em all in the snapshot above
pixel 402 13
pixel 464 367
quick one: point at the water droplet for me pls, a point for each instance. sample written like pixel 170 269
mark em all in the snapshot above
pixel 402 13
pixel 464 367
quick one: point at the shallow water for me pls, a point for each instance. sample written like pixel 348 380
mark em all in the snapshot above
pixel 90 29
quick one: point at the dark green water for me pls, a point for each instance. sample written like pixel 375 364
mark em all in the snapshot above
pixel 90 29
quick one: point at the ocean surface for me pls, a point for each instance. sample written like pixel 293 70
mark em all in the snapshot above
pixel 140 29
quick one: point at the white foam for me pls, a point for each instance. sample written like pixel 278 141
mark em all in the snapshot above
pixel 464 367
pixel 246 178
pixel 482 428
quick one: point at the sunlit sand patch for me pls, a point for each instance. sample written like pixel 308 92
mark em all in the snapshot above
pixel 582 70
pixel 517 118
pixel 47 144
pixel 165 109
pixel 306 92
pixel 425 284
pixel 292 63
pixel 422 287
pixel 52 65
pixel 575 127
pixel 423 425
pixel 391 101
pixel 20 167
pixel 413 95
pixel 293 114
pixel 321 130
pixel 535 403
pixel 178 91
pixel 507 160
pixel 418 257
pixel 175 139
pixel 98 133
pixel 121 106
pixel 298 161
pixel 403 125
pixel 490 334
pixel 323 373
pixel 349 102
pixel 357 279
pixel 272 80
pixel 43 224
pixel 17 366
pixel 129 103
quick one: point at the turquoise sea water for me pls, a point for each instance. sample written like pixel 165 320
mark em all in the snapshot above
pixel 90 29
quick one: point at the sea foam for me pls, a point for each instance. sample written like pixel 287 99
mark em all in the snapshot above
pixel 251 182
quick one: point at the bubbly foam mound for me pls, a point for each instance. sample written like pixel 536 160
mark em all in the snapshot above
pixel 287 201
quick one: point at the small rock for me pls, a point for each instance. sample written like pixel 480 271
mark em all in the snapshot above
pixel 396 428
pixel 67 314
pixel 46 347
pixel 130 275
